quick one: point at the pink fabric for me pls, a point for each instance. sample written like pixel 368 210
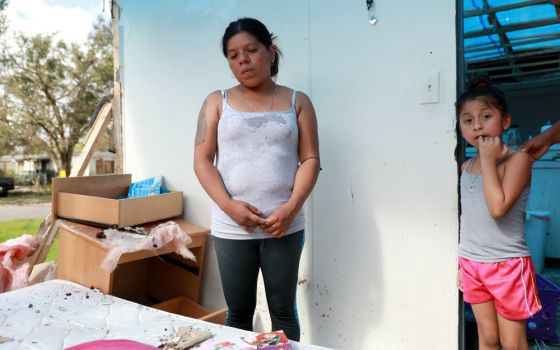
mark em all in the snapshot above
pixel 511 284
pixel 13 275
pixel 162 235
pixel 118 344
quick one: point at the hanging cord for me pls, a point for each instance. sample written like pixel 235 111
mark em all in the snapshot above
pixel 538 346
pixel 544 346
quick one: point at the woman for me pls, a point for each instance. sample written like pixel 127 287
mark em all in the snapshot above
pixel 263 137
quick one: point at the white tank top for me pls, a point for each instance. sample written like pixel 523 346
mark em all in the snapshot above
pixel 483 238
pixel 257 158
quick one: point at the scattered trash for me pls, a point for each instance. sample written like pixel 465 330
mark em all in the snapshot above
pixel 146 187
pixel 120 242
pixel 185 338
pixel 276 340
pixel 42 272
pixel 138 229
pixel 5 339
pixel 13 274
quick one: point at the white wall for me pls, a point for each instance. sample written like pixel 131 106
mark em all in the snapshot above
pixel 380 262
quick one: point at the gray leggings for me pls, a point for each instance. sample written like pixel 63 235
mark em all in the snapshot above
pixel 239 262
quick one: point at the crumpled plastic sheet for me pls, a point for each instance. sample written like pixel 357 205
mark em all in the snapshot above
pixel 120 242
pixel 13 273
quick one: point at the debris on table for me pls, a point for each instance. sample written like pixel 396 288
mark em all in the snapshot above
pixel 5 339
pixel 276 340
pixel 120 242
pixel 186 337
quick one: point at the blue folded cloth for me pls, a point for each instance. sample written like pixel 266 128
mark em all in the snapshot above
pixel 146 187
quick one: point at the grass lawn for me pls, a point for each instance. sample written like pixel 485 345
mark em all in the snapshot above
pixel 23 195
pixel 15 228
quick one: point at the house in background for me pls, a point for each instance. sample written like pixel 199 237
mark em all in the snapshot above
pixel 102 162
pixel 8 165
pixel 23 164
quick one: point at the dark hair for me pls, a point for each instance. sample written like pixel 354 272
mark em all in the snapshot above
pixel 259 31
pixel 481 88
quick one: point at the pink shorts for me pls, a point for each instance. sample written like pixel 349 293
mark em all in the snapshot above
pixel 511 284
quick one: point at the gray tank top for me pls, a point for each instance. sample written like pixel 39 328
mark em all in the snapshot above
pixel 257 158
pixel 482 238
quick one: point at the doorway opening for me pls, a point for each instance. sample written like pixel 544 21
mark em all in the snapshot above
pixel 516 43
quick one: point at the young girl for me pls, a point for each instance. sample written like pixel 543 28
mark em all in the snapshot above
pixel 496 272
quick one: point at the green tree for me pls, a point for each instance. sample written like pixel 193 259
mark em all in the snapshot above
pixel 5 138
pixel 3 20
pixel 51 88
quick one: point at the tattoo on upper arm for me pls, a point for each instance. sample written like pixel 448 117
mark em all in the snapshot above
pixel 201 127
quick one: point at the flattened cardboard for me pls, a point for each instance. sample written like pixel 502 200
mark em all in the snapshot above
pixel 92 199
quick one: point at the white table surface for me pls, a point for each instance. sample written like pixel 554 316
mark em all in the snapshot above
pixel 57 314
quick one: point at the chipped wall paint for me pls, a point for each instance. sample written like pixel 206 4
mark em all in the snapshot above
pixel 379 265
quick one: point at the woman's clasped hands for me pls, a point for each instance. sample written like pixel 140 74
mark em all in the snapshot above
pixel 249 218
pixel 278 223
pixel 244 214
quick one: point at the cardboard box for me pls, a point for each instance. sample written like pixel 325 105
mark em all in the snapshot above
pixel 187 307
pixel 93 199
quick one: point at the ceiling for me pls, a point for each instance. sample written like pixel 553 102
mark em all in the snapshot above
pixel 512 41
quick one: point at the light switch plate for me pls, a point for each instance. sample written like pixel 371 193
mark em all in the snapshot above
pixel 429 88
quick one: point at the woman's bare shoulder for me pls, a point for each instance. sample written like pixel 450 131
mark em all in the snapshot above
pixel 302 97
pixel 213 102
pixel 214 96
pixel 303 102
